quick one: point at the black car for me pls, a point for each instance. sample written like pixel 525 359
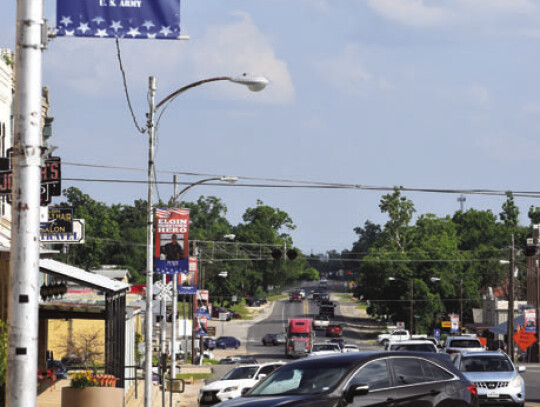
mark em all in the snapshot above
pixel 407 379
pixel 273 339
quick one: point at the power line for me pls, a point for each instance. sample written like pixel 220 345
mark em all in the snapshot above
pixel 530 194
pixel 477 191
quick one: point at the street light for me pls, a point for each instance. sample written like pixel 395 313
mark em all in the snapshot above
pixel 411 304
pixel 228 179
pixel 254 84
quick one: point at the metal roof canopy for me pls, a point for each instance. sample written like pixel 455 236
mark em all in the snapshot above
pixel 114 315
pixel 81 276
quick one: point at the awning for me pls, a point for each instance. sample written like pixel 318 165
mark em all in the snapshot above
pixel 502 329
pixel 80 276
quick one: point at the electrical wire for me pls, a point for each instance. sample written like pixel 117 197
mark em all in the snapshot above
pixel 321 186
pixel 126 92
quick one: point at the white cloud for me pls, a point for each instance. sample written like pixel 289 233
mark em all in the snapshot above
pixel 505 146
pixel 471 13
pixel 90 66
pixel 348 73
pixel 411 12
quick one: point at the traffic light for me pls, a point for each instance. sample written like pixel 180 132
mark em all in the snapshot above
pixel 277 254
pixel 530 251
pixel 292 254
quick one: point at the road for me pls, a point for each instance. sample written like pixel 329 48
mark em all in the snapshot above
pixel 354 331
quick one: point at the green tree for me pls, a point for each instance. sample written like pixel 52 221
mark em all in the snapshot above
pixel 534 215
pixel 400 210
pixel 510 212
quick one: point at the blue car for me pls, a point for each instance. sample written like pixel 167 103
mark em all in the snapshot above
pixel 224 342
pixel 209 343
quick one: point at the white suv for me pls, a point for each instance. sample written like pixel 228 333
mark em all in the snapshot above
pixel 232 384
pixel 496 378
pixel 462 344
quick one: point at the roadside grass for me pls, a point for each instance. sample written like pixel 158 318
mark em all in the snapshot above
pixel 277 297
pixel 247 313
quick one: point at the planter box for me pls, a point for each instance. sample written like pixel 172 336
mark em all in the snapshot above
pixel 92 397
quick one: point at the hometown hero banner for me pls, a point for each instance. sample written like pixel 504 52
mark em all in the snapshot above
pixel 138 19
pixel 172 231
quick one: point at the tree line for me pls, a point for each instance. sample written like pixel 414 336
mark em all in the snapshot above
pixel 116 235
pixel 442 261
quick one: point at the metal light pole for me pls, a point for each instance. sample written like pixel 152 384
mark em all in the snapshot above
pixel 254 84
pixel 149 248
pixel 23 301
pixel 411 284
pixel 510 325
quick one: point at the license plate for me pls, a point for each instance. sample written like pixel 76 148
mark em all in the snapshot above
pixel 493 395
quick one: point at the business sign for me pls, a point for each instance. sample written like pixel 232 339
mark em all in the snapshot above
pixel 172 231
pixel 76 236
pixel 60 220
pixel 51 177
pixel 138 19
pixel 454 326
pixel 530 320
pixel 446 324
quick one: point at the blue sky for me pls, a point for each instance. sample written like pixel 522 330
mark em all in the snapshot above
pixel 419 93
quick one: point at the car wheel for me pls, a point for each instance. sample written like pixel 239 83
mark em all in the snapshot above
pixel 236 346
pixel 384 342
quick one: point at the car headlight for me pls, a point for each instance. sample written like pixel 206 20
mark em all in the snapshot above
pixel 516 381
pixel 229 389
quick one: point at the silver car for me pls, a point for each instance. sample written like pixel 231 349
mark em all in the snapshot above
pixel 495 377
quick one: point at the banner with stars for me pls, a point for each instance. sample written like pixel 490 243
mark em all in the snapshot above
pixel 138 19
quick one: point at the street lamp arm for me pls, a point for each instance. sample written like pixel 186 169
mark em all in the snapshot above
pixel 254 84
pixel 202 181
pixel 191 85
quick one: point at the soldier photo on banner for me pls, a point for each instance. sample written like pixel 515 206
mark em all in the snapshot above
pixel 172 231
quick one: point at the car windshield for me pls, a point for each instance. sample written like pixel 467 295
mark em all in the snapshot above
pixel 242 372
pixel 485 364
pixel 301 335
pixel 302 379
pixel 417 347
pixel 465 343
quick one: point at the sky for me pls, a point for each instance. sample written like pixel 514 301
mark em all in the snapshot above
pixel 441 94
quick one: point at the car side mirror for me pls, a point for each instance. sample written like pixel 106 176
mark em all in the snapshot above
pixel 356 390
pixel 245 390
pixel 261 376
pixel 522 369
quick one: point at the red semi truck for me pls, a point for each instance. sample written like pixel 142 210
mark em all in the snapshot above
pixel 300 337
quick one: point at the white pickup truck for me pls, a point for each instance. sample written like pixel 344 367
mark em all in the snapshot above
pixel 396 336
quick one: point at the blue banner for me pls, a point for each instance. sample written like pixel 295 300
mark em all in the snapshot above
pixel 187 289
pixel 139 19
pixel 171 266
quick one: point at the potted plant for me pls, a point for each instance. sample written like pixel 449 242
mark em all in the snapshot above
pixel 89 390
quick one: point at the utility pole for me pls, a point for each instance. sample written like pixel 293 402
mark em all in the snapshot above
pixel 174 305
pixel 510 324
pixel 149 247
pixel 23 301
pixel 411 306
